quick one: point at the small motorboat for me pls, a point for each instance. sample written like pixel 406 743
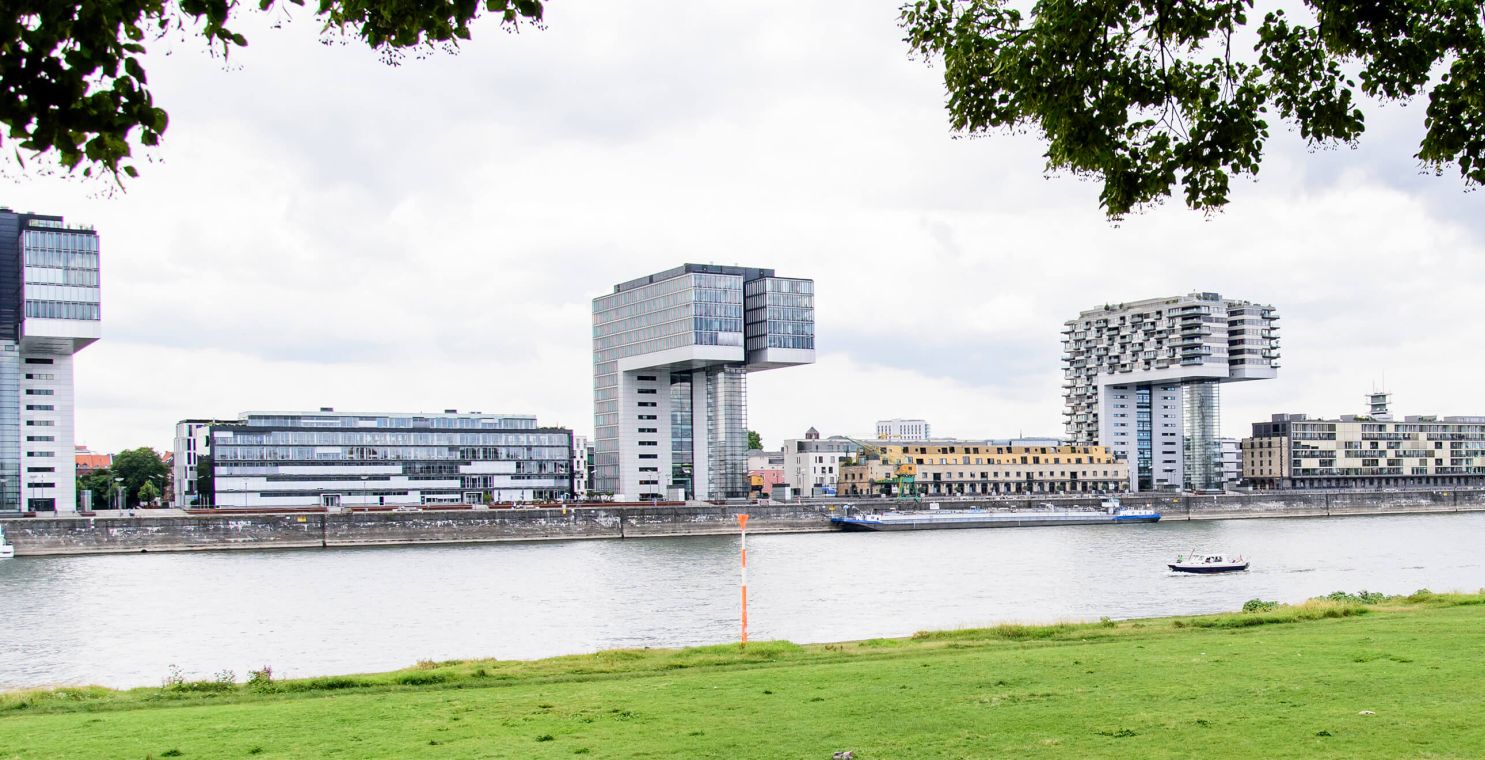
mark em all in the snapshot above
pixel 6 550
pixel 1199 562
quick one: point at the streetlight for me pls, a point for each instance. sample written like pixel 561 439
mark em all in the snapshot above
pixel 365 502
pixel 119 488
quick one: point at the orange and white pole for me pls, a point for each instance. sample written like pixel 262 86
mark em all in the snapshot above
pixel 742 526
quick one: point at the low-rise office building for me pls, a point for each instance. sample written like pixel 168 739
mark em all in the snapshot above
pixel 1365 451
pixel 979 468
pixel 347 459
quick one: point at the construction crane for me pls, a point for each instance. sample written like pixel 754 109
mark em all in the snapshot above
pixel 904 475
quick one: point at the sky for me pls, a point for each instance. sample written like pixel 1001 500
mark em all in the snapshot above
pixel 321 228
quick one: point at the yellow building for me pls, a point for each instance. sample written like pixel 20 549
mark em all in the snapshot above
pixel 975 468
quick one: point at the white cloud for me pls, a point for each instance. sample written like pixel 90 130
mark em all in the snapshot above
pixel 328 230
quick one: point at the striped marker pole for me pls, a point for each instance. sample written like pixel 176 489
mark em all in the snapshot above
pixel 742 526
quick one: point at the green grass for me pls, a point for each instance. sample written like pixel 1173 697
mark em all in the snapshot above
pixel 1281 682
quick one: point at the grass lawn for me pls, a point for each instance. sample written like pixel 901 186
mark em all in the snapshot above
pixel 1286 682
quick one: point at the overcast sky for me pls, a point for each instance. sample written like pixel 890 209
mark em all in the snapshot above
pixel 323 229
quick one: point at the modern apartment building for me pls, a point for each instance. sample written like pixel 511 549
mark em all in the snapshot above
pixel 903 430
pixel 1365 451
pixel 671 354
pixel 1144 379
pixel 979 468
pixel 49 310
pixel 348 459
pixel 582 467
pixel 812 464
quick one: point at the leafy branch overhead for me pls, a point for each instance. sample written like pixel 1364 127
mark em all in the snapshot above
pixel 1146 95
pixel 72 76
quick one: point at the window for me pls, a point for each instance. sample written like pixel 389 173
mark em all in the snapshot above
pixel 648 443
pixel 648 391
pixel 41 469
pixel 39 484
pixel 38 361
pixel 647 403
pixel 648 430
pixel 40 376
pixel 39 454
pixel 646 378
pixel 40 408
pixel 41 438
pixel 40 392
pixel 649 456
pixel 41 423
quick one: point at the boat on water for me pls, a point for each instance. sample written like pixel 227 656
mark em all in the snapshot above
pixel 1200 562
pixel 6 550
pixel 937 519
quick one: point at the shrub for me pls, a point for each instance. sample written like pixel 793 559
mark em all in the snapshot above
pixel 1361 597
pixel 259 679
pixel 1258 605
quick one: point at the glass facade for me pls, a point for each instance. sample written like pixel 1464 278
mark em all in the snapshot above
pixel 61 273
pixel 780 313
pixel 10 427
pixel 726 431
pixel 1201 440
pixel 376 459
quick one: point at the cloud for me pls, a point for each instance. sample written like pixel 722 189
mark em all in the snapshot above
pixel 325 229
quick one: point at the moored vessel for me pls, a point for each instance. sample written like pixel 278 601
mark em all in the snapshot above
pixel 938 519
pixel 6 550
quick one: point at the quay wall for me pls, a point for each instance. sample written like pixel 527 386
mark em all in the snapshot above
pixel 147 533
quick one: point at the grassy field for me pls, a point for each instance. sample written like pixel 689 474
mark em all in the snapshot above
pixel 1400 677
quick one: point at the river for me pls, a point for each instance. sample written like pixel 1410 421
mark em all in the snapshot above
pixel 126 620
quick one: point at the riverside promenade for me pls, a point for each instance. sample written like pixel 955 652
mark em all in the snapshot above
pixel 147 531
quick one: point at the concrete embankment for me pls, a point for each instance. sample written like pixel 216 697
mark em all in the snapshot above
pixel 98 535
pixel 102 535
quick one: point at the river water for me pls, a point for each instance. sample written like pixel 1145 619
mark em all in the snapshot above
pixel 125 620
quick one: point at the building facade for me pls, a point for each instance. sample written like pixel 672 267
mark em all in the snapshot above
pixel 981 468
pixel 1144 379
pixel 49 310
pixel 582 467
pixel 903 430
pixel 812 464
pixel 1232 461
pixel 344 459
pixel 671 354
pixel 1293 451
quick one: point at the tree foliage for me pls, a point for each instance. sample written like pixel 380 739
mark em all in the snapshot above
pixel 72 76
pixel 137 467
pixel 1145 95
pixel 755 441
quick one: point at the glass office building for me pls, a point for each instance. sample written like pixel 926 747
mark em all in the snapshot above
pixel 671 353
pixel 347 459
pixel 49 310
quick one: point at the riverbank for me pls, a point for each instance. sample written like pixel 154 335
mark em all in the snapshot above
pixel 107 534
pixel 1327 678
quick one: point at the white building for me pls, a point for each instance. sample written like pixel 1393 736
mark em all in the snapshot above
pixel 903 430
pixel 1143 378
pixel 192 448
pixel 1232 461
pixel 812 465
pixel 49 310
pixel 581 450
